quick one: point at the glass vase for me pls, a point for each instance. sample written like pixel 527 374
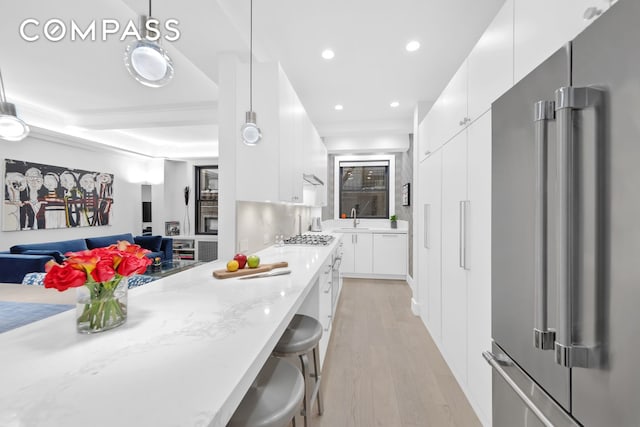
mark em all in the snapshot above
pixel 101 306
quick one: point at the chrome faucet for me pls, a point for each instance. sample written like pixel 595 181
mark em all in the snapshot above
pixel 353 215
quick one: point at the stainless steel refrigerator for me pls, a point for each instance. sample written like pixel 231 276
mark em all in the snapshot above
pixel 566 234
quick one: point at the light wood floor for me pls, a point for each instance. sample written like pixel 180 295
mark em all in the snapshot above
pixel 382 367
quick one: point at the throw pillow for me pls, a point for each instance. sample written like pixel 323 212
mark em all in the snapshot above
pixel 151 243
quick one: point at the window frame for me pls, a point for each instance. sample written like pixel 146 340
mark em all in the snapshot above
pixel 198 200
pixel 364 158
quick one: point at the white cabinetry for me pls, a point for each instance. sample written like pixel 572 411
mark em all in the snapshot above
pixel 429 244
pixel 424 148
pixel 454 276
pixel 490 63
pixel 479 263
pixel 543 26
pixel 289 148
pixel 390 254
pixel 448 115
pixel 483 76
pixel 357 253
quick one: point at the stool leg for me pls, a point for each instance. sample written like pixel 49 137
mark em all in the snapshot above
pixel 316 367
pixel 305 374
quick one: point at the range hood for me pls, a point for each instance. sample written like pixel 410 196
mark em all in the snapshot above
pixel 312 179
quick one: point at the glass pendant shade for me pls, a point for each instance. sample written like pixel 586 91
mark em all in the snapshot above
pixel 251 133
pixel 11 127
pixel 147 61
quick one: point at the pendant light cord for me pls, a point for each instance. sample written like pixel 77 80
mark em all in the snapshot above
pixel 251 56
pixel 3 97
pixel 149 8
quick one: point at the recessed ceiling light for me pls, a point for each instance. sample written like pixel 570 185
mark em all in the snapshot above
pixel 338 107
pixel 412 46
pixel 328 54
pixel 394 104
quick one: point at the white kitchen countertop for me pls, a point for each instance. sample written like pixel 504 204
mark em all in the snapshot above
pixel 190 349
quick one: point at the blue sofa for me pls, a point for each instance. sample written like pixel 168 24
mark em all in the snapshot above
pixel 32 257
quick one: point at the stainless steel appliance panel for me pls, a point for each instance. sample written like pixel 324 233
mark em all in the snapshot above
pixel 513 207
pixel 607 55
pixel 521 402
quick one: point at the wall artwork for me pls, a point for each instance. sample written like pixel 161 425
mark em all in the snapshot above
pixel 38 196
pixel 406 194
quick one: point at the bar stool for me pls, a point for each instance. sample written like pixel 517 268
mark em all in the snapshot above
pixel 274 398
pixel 301 337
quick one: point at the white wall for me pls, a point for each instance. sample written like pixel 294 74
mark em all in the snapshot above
pixel 129 171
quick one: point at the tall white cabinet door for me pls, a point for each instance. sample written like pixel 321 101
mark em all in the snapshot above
pixel 433 229
pixel 447 116
pixel 491 63
pixel 363 253
pixel 454 276
pixel 479 265
pixel 543 26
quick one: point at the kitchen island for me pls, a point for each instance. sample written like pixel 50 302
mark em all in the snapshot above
pixel 189 351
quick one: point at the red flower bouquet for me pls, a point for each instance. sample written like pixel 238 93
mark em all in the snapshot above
pixel 100 278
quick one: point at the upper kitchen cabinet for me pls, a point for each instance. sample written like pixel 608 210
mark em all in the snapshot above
pixel 275 168
pixel 490 63
pixel 543 26
pixel 424 148
pixel 448 116
pixel 485 75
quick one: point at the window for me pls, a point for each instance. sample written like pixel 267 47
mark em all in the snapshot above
pixel 364 185
pixel 206 199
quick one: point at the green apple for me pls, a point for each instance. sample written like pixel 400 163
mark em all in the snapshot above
pixel 253 261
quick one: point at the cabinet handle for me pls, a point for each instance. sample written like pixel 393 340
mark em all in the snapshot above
pixel 569 353
pixel 427 225
pixel 387 235
pixel 464 204
pixel 464 121
pixel 543 337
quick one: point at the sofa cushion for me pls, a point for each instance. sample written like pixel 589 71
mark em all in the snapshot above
pixel 63 247
pixel 151 243
pixel 13 267
pixel 57 255
pixel 104 241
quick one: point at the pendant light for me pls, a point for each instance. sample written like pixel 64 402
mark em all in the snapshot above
pixel 145 59
pixel 250 131
pixel 11 127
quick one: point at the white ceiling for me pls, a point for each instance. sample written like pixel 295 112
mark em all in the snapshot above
pixel 81 88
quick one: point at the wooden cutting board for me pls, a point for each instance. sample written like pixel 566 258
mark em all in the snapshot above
pixel 263 268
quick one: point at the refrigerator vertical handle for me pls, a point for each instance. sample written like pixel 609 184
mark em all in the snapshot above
pixel 464 205
pixel 543 337
pixel 427 226
pixel 568 99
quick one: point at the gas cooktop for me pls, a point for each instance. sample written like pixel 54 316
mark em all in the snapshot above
pixel 309 240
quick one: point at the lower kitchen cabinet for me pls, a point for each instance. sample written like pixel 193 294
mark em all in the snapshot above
pixel 371 254
pixel 357 255
pixel 390 253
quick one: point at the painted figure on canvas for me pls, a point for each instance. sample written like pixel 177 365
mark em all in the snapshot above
pixel 39 196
